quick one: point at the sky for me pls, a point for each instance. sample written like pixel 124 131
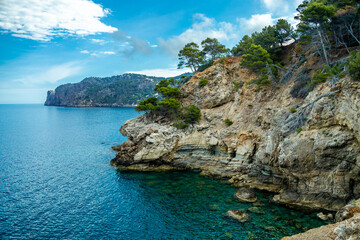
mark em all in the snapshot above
pixel 46 43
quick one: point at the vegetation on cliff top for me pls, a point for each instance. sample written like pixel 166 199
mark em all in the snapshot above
pixel 324 26
pixel 169 106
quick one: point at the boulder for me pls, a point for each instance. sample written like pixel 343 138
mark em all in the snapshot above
pixel 245 195
pixel 238 215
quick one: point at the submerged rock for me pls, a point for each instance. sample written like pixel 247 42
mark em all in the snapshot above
pixel 245 195
pixel 257 210
pixel 238 215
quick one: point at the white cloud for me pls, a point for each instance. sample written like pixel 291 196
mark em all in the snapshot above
pixel 45 19
pixel 108 53
pixel 52 74
pixel 202 28
pixel 281 7
pixel 99 41
pixel 97 53
pixel 255 23
pixel 277 6
pixel 162 72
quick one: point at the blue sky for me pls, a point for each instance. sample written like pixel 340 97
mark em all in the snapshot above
pixel 45 43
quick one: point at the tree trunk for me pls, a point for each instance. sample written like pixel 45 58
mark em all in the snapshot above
pixel 269 71
pixel 351 31
pixel 323 46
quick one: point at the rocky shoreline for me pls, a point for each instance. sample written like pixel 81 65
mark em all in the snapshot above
pixel 308 156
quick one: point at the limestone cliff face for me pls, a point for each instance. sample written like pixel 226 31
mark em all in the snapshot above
pixel 311 158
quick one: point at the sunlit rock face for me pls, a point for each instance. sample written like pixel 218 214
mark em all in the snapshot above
pixel 315 164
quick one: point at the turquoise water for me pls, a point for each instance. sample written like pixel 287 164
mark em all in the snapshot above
pixel 56 183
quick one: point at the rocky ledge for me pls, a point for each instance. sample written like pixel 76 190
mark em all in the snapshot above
pixel 347 226
pixel 306 150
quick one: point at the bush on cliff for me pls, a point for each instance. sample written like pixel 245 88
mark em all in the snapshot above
pixel 191 114
pixel 169 106
pixel 256 59
pixel 203 82
pixel 354 65
pixel 147 105
pixel 228 122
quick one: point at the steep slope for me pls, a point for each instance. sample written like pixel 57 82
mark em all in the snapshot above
pixel 118 91
pixel 310 158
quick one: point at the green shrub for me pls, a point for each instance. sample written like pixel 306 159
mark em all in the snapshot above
pixel 168 105
pixel 147 105
pixel 354 65
pixel 203 82
pixel 256 58
pixel 292 110
pixel 181 125
pixel 299 130
pixel 192 114
pixel 169 92
pixel 261 81
pixel 237 85
pixel 222 60
pixel 205 66
pixel 228 122
pixel 320 76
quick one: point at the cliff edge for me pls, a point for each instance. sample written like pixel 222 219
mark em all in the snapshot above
pixel 315 164
pixel 305 149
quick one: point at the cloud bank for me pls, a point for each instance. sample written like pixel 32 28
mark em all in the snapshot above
pixel 45 19
pixel 202 28
pixel 162 72
pixel 52 74
pixel 131 45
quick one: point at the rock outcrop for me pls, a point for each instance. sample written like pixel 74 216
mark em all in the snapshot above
pixel 245 195
pixel 309 156
pixel 346 228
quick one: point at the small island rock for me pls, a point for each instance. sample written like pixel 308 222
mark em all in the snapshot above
pixel 238 215
pixel 245 195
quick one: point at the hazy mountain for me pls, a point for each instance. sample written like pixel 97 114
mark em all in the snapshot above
pixel 116 91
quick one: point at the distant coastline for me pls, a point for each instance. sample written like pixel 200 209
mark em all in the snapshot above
pixel 125 90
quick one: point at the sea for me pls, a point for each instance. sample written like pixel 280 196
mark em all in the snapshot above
pixel 56 183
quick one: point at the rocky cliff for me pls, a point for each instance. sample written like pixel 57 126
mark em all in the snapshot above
pixel 118 91
pixel 304 149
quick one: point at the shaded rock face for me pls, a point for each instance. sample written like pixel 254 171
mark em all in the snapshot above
pixel 314 165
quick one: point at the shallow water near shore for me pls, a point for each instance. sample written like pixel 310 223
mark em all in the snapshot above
pixel 56 183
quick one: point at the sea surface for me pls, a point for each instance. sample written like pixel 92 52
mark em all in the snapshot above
pixel 56 183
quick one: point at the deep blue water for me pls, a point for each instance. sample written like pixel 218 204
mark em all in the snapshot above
pixel 56 183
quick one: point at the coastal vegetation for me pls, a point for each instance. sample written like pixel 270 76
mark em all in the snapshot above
pixel 325 26
pixel 169 106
